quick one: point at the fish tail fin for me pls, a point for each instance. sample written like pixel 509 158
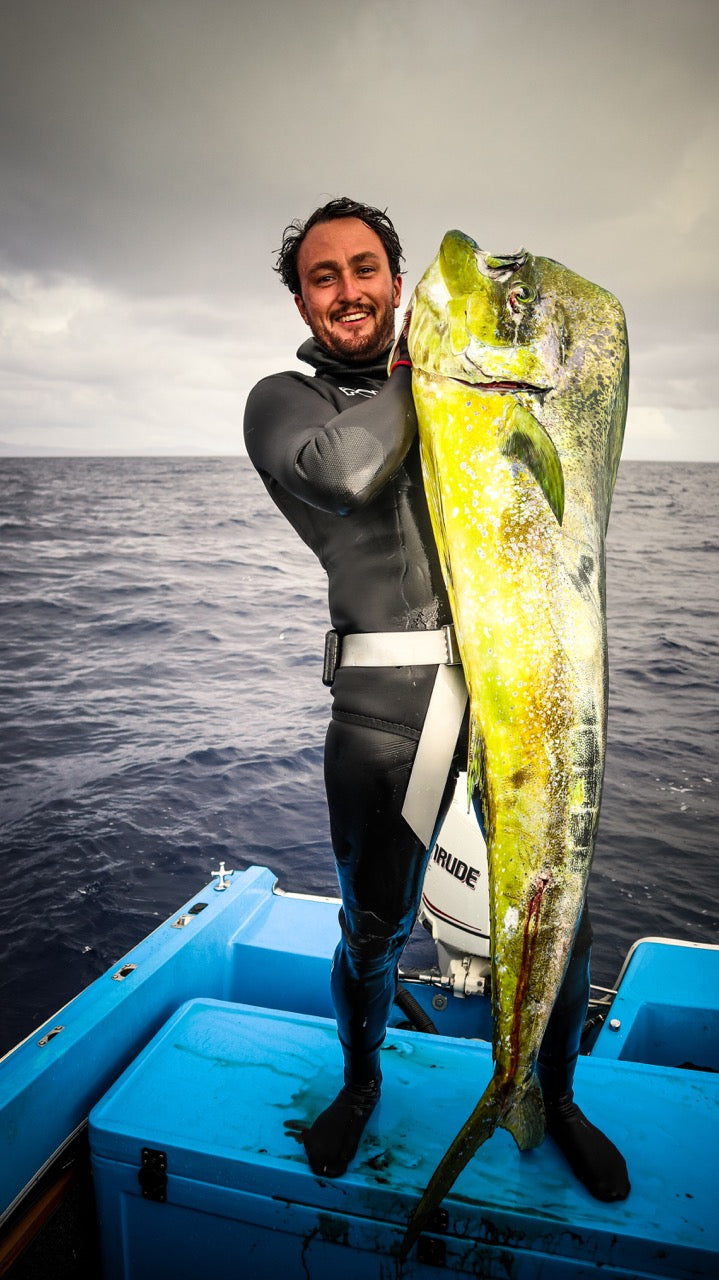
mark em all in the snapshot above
pixel 525 1119
pixel 481 1125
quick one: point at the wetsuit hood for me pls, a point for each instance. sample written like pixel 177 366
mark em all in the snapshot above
pixel 325 362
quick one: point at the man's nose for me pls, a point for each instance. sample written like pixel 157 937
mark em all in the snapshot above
pixel 349 289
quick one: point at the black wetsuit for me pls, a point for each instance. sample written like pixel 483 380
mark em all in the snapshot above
pixel 339 455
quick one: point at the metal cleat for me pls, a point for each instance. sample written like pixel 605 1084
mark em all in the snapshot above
pixel 223 881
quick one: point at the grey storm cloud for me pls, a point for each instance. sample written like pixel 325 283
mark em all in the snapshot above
pixel 152 152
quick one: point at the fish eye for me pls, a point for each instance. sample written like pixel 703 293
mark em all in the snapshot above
pixel 520 295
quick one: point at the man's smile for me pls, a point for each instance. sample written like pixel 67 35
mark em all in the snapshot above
pixel 353 317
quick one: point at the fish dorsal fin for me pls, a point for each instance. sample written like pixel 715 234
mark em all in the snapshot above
pixel 528 441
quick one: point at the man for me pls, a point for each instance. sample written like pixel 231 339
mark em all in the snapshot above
pixel 339 455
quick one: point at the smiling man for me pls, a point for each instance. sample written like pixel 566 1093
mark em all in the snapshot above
pixel 348 295
pixel 339 455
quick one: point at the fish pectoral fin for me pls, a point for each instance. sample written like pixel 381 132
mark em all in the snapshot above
pixel 525 1120
pixel 528 441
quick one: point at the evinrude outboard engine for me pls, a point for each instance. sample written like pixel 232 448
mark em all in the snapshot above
pixel 455 899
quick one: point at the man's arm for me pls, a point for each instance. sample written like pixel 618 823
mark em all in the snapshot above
pixel 335 461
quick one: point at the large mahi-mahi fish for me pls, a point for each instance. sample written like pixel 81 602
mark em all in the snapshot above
pixel 520 373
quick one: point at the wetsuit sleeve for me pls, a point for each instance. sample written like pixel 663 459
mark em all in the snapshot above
pixel 335 461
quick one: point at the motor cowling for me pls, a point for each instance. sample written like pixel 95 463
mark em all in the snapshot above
pixel 455 898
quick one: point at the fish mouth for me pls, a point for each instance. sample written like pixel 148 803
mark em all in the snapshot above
pixel 503 386
pixel 507 385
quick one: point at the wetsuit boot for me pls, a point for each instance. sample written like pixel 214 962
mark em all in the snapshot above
pixel 332 1141
pixel 592 1156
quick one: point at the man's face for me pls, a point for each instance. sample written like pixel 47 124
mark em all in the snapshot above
pixel 349 295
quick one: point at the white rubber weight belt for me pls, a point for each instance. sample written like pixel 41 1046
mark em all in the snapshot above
pixel 444 713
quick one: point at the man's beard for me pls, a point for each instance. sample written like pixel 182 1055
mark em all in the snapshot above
pixel 355 346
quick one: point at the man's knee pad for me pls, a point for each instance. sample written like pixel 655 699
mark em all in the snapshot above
pixel 368 937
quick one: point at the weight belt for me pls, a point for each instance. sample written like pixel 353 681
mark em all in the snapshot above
pixel 444 714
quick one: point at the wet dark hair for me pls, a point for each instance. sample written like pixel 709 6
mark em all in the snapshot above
pixel 342 207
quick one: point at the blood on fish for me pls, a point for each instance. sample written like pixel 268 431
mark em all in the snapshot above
pixel 531 930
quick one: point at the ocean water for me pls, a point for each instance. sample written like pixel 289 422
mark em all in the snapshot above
pixel 162 709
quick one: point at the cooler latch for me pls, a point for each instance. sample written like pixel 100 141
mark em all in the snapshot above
pixel 153 1175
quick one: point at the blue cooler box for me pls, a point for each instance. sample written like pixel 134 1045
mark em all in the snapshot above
pixel 200 1171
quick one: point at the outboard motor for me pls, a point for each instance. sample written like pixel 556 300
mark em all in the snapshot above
pixel 455 899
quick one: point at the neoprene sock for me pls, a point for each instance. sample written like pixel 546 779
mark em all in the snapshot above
pixel 333 1139
pixel 594 1159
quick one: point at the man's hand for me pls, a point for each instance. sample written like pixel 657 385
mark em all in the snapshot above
pixel 400 351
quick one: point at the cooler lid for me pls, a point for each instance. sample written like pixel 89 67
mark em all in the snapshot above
pixel 225 1091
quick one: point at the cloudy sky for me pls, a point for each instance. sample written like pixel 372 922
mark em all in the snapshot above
pixel 153 150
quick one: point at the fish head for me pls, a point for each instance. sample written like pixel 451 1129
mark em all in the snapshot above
pixel 535 332
pixel 480 317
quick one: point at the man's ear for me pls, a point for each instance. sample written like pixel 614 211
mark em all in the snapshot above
pixel 301 307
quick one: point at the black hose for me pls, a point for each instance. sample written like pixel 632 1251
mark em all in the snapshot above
pixel 590 1031
pixel 413 1010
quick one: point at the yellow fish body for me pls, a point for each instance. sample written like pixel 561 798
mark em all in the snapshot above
pixel 520 373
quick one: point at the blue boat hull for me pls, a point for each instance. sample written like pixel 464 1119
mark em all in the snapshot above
pixel 213 1043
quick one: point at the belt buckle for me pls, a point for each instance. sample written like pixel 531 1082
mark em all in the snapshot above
pixel 454 657
pixel 331 661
